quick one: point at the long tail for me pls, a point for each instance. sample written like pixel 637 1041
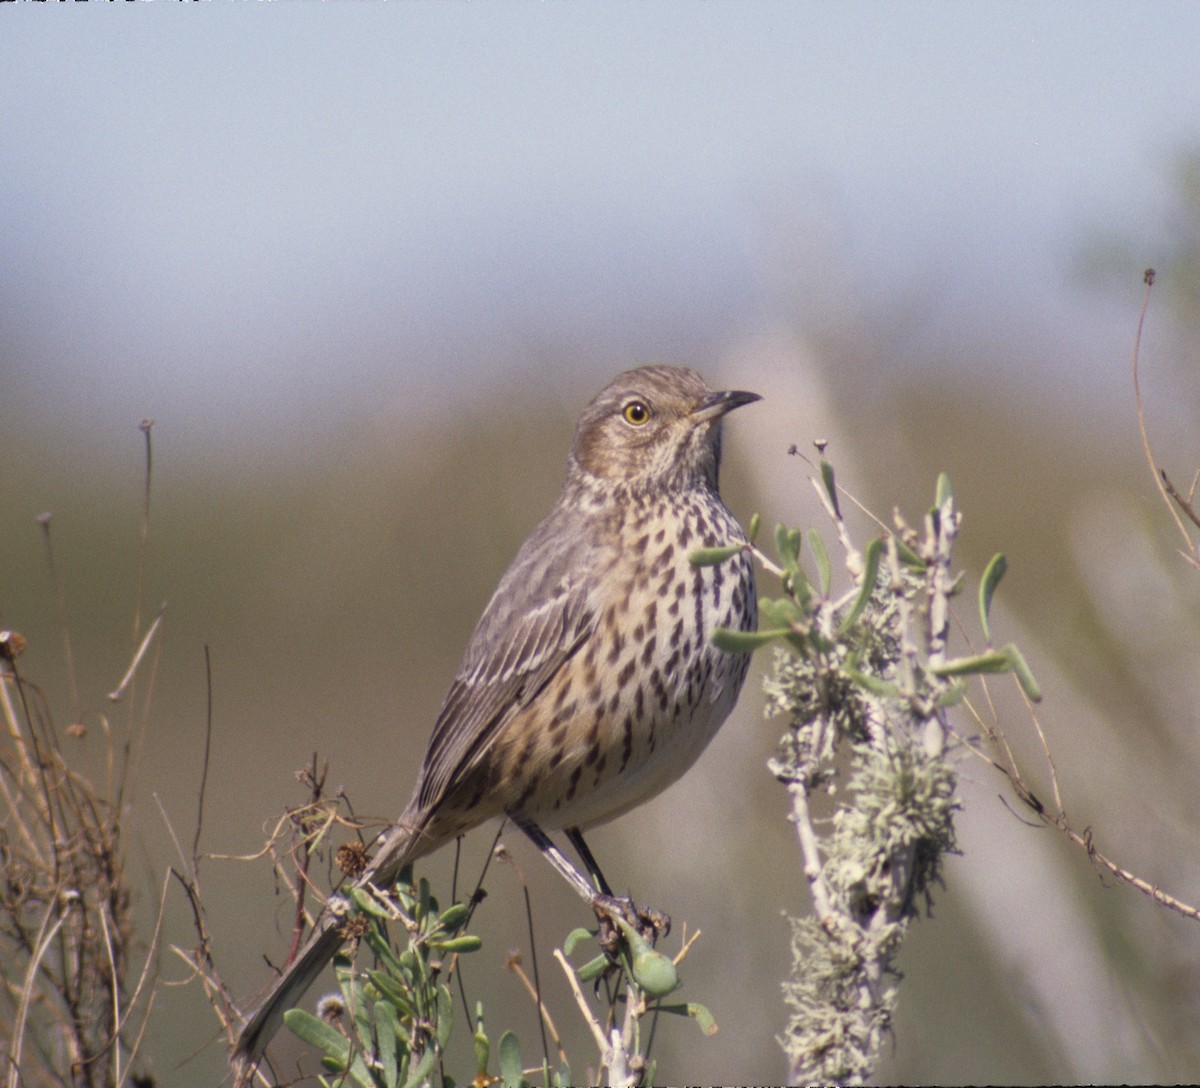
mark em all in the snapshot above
pixel 289 988
pixel 400 846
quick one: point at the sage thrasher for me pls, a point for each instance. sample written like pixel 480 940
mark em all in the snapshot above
pixel 591 682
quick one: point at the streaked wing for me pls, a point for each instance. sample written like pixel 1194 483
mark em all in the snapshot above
pixel 538 618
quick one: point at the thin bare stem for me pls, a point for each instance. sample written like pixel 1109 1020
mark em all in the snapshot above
pixel 208 728
pixel 139 587
pixel 60 605
pixel 1148 279
pixel 513 963
pixel 116 694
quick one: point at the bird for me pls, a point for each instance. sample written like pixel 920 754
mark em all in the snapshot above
pixel 591 682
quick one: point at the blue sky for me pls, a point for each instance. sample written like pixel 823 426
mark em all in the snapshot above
pixel 227 214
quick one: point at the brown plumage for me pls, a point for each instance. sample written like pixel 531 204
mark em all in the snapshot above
pixel 590 683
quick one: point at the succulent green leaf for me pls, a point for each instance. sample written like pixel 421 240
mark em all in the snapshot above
pixel 316 1033
pixel 453 918
pixel 418 1075
pixel 908 557
pixel 827 481
pixel 821 557
pixel 994 661
pixel 468 942
pixel 655 973
pixel 368 904
pixel 387 1031
pixel 870 577
pixel 944 491
pixel 593 969
pixel 343 970
pixel 378 943
pixel 702 1017
pixel 744 642
pixel 392 991
pixel 796 582
pixel 710 557
pixel 445 1016
pixel 755 525
pixel 1023 673
pixel 512 1072
pixel 780 611
pixel 987 587
pixel 787 544
pixel 575 938
pixel 483 1046
pixel 953 695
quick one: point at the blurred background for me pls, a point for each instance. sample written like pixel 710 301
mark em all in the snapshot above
pixel 363 265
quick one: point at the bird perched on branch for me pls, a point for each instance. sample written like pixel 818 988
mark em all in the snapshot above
pixel 591 682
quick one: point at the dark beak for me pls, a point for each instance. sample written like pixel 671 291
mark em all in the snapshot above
pixel 715 405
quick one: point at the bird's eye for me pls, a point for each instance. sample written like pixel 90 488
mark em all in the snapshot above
pixel 635 412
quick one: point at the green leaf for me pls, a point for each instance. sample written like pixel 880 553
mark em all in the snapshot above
pixel 512 1072
pixel 378 943
pixel 468 942
pixel 482 1045
pixel 697 1012
pixel 953 695
pixel 368 904
pixel 1024 674
pixel 356 1009
pixel 755 525
pixel 830 487
pixel 445 1017
pixel 652 971
pixel 655 973
pixel 316 1033
pixel 575 938
pixel 387 1030
pixel 744 642
pixel 908 557
pixel 821 557
pixel 702 1017
pixel 944 491
pixel 987 586
pixel 593 969
pixel 787 544
pixel 453 918
pixel 866 587
pixel 419 1074
pixel 710 557
pixel 994 661
pixel 391 990
pixel 781 612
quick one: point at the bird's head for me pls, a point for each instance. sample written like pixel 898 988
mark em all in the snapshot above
pixel 657 428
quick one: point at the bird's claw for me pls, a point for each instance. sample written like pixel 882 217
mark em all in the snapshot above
pixel 611 910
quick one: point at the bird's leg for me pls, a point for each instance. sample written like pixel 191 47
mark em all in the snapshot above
pixel 650 923
pixel 575 838
pixel 608 907
pixel 556 858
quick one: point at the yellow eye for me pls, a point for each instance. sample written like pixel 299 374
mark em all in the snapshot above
pixel 635 412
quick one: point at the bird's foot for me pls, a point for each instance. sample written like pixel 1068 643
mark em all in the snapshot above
pixel 612 910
